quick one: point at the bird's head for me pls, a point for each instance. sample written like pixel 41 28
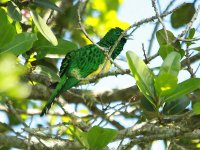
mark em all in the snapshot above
pixel 111 37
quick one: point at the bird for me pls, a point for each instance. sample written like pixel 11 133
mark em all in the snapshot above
pixel 86 62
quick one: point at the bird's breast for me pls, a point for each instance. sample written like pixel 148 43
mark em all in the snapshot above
pixel 101 69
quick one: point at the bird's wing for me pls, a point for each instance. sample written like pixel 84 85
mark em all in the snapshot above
pixel 89 60
pixel 64 65
pixel 82 62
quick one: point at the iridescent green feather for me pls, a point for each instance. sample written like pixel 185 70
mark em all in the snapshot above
pixel 84 61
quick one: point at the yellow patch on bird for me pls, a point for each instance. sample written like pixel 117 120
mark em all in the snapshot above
pixel 102 69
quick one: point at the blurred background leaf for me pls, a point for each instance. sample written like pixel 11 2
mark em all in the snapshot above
pixel 10 73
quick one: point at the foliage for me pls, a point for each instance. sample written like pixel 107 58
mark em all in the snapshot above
pixel 164 86
pixel 10 72
pixel 183 15
pixel 97 138
pixel 36 35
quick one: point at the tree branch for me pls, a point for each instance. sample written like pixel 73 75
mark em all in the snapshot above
pixel 13 141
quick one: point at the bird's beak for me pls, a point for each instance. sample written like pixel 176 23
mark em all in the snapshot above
pixel 128 37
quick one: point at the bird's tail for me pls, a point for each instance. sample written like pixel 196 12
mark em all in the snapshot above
pixel 54 94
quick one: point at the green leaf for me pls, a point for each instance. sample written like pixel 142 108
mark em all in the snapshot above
pixel 143 76
pixel 166 47
pixel 182 15
pixel 196 48
pixel 7 30
pixel 191 33
pixel 176 107
pixel 164 50
pixel 47 4
pixel 171 64
pixel 181 52
pixel 98 138
pixel 167 79
pixel 43 28
pixel 161 38
pixel 190 36
pixel 3 128
pixel 165 84
pixel 147 105
pixel 43 47
pixel 196 108
pixel 13 11
pixel 3 17
pixel 4 1
pixel 7 33
pixel 20 43
pixel 183 88
pixel 84 139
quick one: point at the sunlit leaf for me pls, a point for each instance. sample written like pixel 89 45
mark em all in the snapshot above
pixel 171 64
pixel 43 28
pixel 182 15
pixel 183 88
pixel 143 76
pixel 18 27
pixel 165 84
pixel 10 73
pixel 20 43
pixel 14 11
pixel 4 1
pixel 164 50
pixel 166 81
pixel 98 138
pixel 105 16
pixel 196 108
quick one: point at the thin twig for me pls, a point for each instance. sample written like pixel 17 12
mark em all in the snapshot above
pixel 49 18
pixel 197 69
pixel 150 19
pixel 156 28
pixel 188 40
pixel 145 56
pixel 124 33
pixel 84 31
pixel 160 20
pixel 140 23
pixel 189 68
pixel 8 103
